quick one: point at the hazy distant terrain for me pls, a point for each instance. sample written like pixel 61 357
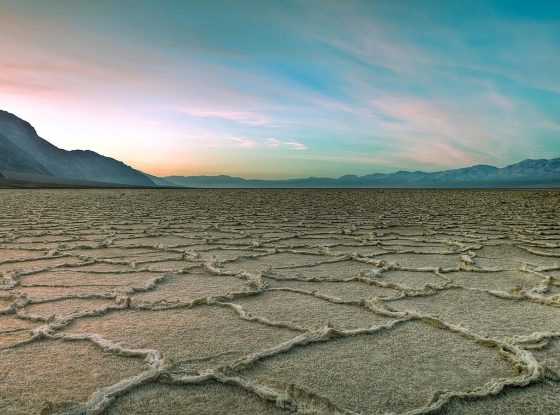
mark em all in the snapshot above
pixel 279 302
pixel 528 173
pixel 26 158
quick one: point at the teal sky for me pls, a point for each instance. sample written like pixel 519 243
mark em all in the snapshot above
pixel 277 89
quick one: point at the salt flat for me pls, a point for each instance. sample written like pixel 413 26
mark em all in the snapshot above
pixel 279 302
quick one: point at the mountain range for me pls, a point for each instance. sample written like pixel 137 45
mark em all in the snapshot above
pixel 26 158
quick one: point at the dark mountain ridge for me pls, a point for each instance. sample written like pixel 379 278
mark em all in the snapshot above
pixel 22 151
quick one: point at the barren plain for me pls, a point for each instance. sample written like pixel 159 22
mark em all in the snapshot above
pixel 279 302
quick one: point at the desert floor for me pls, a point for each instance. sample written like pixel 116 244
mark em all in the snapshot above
pixel 279 301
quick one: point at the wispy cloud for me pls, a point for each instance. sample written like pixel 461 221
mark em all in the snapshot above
pixel 244 142
pixel 291 144
pixel 432 133
pixel 295 145
pixel 269 143
pixel 241 117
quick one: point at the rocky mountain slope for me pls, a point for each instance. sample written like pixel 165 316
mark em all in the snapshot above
pixel 25 155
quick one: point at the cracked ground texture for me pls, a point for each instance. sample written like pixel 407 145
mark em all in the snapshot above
pixel 279 302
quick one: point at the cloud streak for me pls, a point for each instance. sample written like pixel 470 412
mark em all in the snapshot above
pixel 241 117
pixel 269 143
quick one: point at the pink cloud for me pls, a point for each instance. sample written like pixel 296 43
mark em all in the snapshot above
pixel 415 115
pixel 25 88
pixel 437 154
pixel 434 133
pixel 501 101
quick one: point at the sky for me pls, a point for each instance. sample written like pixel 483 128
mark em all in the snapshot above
pixel 279 89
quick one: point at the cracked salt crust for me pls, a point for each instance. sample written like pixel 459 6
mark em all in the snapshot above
pixel 315 302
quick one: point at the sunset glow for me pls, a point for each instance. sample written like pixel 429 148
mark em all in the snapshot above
pixel 286 89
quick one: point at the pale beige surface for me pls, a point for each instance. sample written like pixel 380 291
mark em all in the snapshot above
pixel 44 374
pixel 205 399
pixel 271 302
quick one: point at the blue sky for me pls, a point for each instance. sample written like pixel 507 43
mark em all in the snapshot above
pixel 287 88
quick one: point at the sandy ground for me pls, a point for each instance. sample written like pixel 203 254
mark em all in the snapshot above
pixel 279 302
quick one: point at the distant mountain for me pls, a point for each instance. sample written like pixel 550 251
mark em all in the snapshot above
pixel 528 173
pixel 161 182
pixel 24 156
pixel 27 159
pixel 214 181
